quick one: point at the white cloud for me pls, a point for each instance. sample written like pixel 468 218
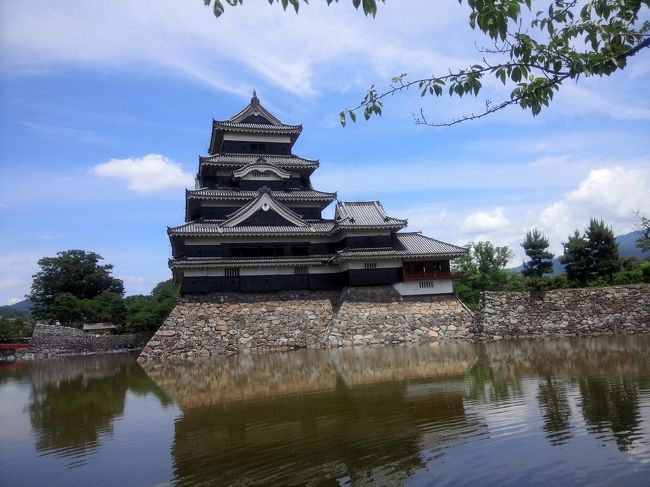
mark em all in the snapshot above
pixel 485 222
pixel 11 301
pixel 611 193
pixel 150 173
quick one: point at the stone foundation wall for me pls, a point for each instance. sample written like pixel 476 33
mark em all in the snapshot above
pixel 565 312
pixel 63 340
pixel 206 325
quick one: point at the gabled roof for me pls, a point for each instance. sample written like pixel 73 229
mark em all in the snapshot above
pixel 365 214
pixel 261 166
pixel 266 202
pixel 254 118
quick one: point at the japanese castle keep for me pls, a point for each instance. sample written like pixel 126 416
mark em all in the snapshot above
pixel 254 235
pixel 254 224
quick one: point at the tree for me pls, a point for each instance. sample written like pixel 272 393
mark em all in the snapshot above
pixel 576 259
pixel 643 228
pixel 564 40
pixel 108 307
pixel 149 312
pixel 603 250
pixel 483 270
pixel 536 247
pixel 75 272
pixel 591 256
pixel 65 308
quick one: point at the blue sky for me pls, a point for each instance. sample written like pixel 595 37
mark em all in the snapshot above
pixel 106 106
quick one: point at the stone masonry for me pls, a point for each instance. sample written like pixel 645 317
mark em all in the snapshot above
pixel 205 325
pixel 51 340
pixel 565 312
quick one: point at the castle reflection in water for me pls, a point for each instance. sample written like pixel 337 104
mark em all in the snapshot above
pixel 360 416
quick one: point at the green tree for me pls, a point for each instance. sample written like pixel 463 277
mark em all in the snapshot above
pixel 643 228
pixel 591 257
pixel 483 270
pixel 603 250
pixel 576 259
pixel 535 246
pixel 149 312
pixel 65 308
pixel 108 307
pixel 532 55
pixel 75 272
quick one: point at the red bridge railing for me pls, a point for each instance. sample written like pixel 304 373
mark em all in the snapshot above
pixel 432 276
pixel 13 346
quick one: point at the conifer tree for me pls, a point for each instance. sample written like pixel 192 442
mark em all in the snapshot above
pixel 603 250
pixel 536 248
pixel 576 259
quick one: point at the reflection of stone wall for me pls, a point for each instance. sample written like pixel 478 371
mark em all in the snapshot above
pixel 566 312
pixel 201 326
pixel 54 340
pixel 222 380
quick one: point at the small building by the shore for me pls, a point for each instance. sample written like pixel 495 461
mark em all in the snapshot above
pixel 99 328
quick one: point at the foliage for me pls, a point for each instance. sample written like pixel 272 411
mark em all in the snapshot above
pixel 66 308
pixel 149 312
pixel 74 272
pixel 564 40
pixel 15 329
pixel 603 250
pixel 106 308
pixel 643 228
pixel 483 270
pixel 592 256
pixel 536 248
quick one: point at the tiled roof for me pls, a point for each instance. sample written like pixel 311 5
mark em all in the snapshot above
pixel 253 261
pixel 256 111
pixel 416 243
pixel 212 227
pixel 408 244
pixel 230 159
pixel 257 127
pixel 291 195
pixel 365 214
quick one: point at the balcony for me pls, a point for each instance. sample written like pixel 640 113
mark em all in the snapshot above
pixel 432 276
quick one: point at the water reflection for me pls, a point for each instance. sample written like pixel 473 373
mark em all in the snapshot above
pixel 380 416
pixel 575 411
pixel 75 401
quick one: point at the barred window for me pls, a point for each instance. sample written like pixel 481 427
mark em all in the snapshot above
pixel 426 284
pixel 370 265
pixel 232 271
pixel 301 270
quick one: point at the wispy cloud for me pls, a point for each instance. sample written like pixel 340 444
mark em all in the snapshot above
pixel 55 132
pixel 147 174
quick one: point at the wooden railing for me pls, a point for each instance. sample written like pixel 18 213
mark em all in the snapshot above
pixel 432 276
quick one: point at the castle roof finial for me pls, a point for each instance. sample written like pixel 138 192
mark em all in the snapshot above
pixel 255 100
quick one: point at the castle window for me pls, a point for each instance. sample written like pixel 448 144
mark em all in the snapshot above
pixel 232 271
pixel 370 265
pixel 426 284
pixel 301 270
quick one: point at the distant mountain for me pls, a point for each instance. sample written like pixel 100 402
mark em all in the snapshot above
pixel 21 308
pixel 626 248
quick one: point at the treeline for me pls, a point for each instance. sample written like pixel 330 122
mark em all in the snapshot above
pixel 74 288
pixel 590 258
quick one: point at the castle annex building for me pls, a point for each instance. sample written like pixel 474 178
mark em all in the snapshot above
pixel 254 223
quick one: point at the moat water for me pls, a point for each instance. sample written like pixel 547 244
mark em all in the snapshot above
pixel 546 412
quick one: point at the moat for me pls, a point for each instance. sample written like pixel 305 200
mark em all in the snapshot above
pixel 534 412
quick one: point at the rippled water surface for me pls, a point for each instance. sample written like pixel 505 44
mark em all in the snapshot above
pixel 560 412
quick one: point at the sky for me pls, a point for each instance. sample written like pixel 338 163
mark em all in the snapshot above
pixel 105 107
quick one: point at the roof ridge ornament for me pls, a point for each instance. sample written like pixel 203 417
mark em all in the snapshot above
pixel 255 100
